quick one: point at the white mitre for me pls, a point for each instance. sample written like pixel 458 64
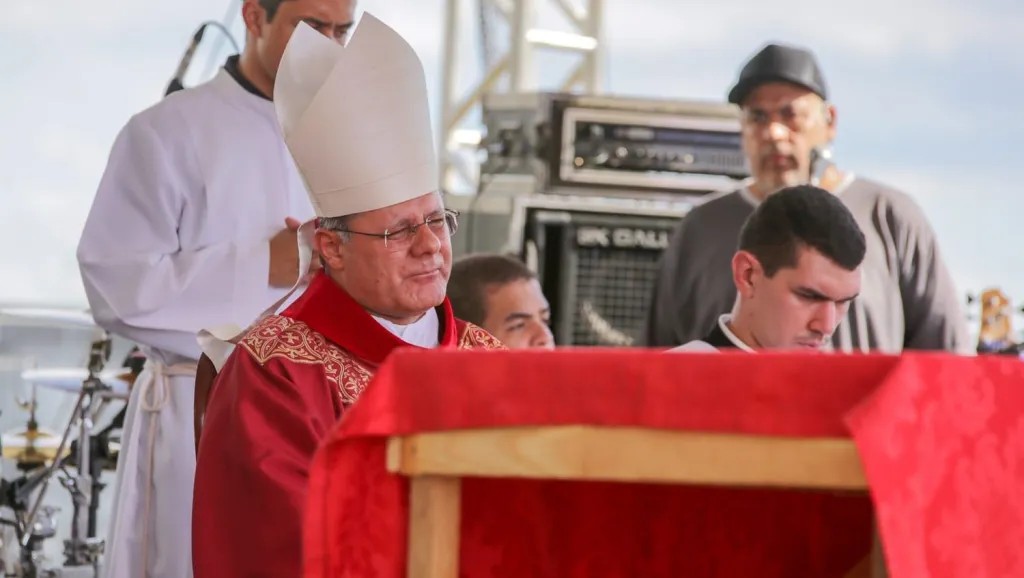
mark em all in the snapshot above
pixel 356 119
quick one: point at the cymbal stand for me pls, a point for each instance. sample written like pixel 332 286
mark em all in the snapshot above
pixel 30 533
pixel 81 549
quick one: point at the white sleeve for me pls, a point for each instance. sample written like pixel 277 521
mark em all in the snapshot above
pixel 141 284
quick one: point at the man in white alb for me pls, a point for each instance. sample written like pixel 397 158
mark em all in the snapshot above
pixel 194 225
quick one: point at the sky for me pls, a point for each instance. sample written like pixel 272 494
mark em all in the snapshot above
pixel 926 92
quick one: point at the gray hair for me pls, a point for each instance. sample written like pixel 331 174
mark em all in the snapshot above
pixel 337 224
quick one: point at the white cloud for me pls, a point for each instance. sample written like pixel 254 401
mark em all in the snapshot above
pixel 68 148
pixel 872 28
pixel 102 17
pixel 39 236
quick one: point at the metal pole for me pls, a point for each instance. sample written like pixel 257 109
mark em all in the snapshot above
pixel 521 52
pixel 595 59
pixel 49 475
pixel 82 496
pixel 448 85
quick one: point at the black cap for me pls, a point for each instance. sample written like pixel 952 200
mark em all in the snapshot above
pixel 779 63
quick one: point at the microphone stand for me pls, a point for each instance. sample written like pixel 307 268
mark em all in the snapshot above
pixel 821 160
pixel 177 82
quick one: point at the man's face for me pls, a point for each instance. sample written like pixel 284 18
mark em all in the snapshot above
pixel 781 124
pixel 518 315
pixel 400 279
pixel 332 18
pixel 800 307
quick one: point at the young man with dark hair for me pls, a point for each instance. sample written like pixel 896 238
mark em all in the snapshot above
pixel 796 272
pixel 269 25
pixel 502 295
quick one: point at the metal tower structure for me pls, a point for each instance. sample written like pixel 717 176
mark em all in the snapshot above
pixel 509 64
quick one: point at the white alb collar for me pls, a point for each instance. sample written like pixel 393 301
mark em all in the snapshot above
pixel 423 332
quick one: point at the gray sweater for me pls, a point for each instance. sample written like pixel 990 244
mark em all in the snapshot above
pixel 908 299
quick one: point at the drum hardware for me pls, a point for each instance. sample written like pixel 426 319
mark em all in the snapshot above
pixel 103 456
pixel 82 549
pixel 30 536
pixel 16 494
pixel 44 527
pixel 41 456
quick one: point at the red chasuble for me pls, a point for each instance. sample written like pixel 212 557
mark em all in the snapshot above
pixel 288 381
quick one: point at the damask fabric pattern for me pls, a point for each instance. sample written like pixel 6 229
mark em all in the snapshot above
pixel 933 408
pixel 944 442
pixel 293 341
pixel 275 400
pixel 356 514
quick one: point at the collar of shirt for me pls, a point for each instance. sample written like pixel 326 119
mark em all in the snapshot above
pixel 232 68
pixel 422 332
pixel 723 324
pixel 754 201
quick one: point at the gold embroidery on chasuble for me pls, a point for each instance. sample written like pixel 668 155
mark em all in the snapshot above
pixel 474 337
pixel 284 338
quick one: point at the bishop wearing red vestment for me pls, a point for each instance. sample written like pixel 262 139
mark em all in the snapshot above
pixel 356 122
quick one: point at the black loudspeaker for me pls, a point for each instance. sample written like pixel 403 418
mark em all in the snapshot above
pixel 597 270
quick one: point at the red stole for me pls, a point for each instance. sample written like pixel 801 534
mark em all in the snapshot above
pixel 329 310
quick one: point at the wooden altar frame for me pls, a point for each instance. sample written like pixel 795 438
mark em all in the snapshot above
pixel 435 463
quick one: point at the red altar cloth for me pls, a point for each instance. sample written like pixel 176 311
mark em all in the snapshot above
pixel 942 441
pixel 356 517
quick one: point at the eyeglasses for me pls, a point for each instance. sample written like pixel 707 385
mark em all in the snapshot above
pixel 795 118
pixel 436 224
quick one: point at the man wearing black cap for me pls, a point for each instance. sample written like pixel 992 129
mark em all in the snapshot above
pixel 908 299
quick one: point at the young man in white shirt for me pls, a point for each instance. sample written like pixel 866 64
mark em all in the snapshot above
pixel 796 272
